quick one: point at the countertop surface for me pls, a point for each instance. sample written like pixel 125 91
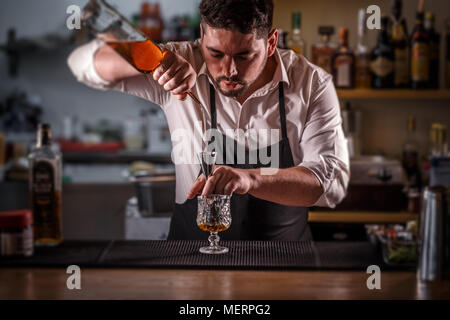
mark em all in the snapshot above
pixel 124 270
pixel 126 283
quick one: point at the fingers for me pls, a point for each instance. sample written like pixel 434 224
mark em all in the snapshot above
pixel 216 181
pixel 230 188
pixel 175 74
pixel 197 187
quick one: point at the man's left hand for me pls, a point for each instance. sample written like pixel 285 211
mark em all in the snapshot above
pixel 224 180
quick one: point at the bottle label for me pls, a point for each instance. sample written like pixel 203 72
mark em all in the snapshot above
pixel 397 31
pixel 420 63
pixel 362 72
pixel 382 67
pixel 43 193
pixel 343 71
pixel 322 58
pixel 401 67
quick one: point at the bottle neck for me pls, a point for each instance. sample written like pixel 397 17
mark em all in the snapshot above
pixel 429 24
pixel 296 30
pixel 383 37
pixel 44 138
pixel 325 38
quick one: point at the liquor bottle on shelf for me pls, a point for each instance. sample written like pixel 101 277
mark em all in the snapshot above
pixel 447 53
pixel 420 55
pixel 322 51
pixel 434 50
pixel 382 60
pixel 282 35
pixel 410 158
pixel 295 40
pixel 362 73
pixel 45 185
pixel 150 21
pixel 343 63
pixel 400 44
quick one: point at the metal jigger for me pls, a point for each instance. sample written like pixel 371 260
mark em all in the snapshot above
pixel 207 160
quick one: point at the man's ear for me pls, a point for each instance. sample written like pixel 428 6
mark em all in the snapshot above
pixel 201 31
pixel 272 42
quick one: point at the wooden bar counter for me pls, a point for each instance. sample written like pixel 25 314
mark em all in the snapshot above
pixel 175 270
pixel 176 284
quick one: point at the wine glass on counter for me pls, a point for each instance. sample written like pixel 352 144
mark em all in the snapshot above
pixel 214 216
pixel 213 213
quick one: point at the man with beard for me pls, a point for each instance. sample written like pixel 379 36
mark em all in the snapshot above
pixel 246 85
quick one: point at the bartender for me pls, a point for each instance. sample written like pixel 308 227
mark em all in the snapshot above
pixel 246 84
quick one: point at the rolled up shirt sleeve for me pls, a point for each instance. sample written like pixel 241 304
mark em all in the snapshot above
pixel 324 146
pixel 81 63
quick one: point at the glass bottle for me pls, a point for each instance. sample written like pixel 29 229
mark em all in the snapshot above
pixel 322 51
pixel 45 186
pixel 400 45
pixel 434 50
pixel 447 53
pixel 410 158
pixel 295 40
pixel 362 73
pixel 382 60
pixel 343 63
pixel 282 39
pixel 420 55
pixel 121 35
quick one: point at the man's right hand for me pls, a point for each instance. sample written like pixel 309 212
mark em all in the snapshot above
pixel 175 74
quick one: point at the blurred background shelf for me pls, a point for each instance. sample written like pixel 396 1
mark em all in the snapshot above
pixel 394 94
pixel 115 157
pixel 361 217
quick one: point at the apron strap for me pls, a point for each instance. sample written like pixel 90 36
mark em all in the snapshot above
pixel 212 105
pixel 282 110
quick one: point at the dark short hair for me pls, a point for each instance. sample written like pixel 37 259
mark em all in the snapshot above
pixel 245 16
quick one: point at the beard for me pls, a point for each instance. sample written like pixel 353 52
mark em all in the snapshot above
pixel 231 93
pixel 245 84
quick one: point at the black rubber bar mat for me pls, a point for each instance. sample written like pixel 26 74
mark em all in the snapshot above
pixel 241 255
pixel 253 255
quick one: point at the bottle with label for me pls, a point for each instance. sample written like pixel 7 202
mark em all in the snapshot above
pixel 150 21
pixel 282 39
pixel 362 73
pixel 410 158
pixel 295 40
pixel 322 51
pixel 343 63
pixel 447 53
pixel 400 44
pixel 435 39
pixel 420 55
pixel 382 60
pixel 45 189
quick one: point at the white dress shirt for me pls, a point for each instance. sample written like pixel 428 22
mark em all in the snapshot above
pixel 313 118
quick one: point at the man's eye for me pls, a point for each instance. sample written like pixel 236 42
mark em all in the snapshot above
pixel 243 58
pixel 217 56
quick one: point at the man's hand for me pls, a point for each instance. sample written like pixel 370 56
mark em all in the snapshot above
pixel 175 74
pixel 224 180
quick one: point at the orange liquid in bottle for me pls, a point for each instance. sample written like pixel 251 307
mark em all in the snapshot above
pixel 145 56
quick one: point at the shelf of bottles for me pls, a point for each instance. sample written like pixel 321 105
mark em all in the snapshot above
pixel 394 94
pixel 400 65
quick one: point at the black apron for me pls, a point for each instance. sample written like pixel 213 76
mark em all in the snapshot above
pixel 252 218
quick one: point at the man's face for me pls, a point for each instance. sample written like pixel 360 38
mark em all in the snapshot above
pixel 233 59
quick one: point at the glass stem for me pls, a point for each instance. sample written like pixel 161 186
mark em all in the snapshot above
pixel 213 239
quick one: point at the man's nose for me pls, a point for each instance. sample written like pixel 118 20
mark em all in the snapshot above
pixel 229 67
